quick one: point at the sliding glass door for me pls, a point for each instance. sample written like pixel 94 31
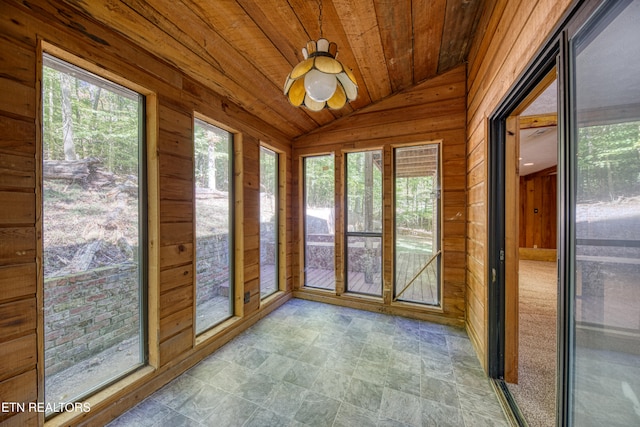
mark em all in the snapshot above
pixel 604 214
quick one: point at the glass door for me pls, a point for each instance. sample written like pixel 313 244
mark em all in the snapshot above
pixel 603 250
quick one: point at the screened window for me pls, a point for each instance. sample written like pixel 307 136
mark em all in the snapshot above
pixel 93 222
pixel 214 238
pixel 364 222
pixel 417 224
pixel 268 222
pixel 319 225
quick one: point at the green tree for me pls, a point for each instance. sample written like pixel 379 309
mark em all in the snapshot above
pixel 85 116
pixel 608 161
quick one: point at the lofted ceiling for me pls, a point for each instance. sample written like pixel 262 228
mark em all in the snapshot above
pixel 244 49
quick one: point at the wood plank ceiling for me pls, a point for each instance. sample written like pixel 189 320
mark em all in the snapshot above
pixel 244 49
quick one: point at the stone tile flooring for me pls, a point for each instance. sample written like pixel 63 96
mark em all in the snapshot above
pixel 315 364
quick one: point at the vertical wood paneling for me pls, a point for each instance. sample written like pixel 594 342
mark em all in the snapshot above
pixel 428 20
pixel 511 32
pixel 361 26
pixel 538 210
pixel 395 21
pixel 460 23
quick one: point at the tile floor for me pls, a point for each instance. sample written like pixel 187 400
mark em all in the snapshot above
pixel 314 364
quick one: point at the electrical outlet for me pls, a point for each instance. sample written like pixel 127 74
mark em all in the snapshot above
pixel 247 297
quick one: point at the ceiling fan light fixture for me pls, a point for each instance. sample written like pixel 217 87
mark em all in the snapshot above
pixel 326 82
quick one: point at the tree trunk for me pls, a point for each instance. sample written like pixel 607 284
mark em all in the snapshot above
pixel 95 93
pixel 368 191
pixel 67 118
pixel 211 163
pixel 368 214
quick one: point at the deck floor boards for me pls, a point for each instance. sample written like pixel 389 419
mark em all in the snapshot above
pixel 423 289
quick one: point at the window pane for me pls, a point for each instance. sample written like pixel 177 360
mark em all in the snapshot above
pixel 268 222
pixel 214 276
pixel 364 191
pixel 319 239
pixel 606 324
pixel 364 265
pixel 364 222
pixel 93 231
pixel 417 222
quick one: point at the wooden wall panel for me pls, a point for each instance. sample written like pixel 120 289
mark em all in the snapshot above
pixel 17 280
pixel 17 98
pixel 177 276
pixel 251 222
pixel 17 207
pixel 17 62
pixel 16 318
pixel 16 171
pixel 538 210
pixel 176 132
pixel 18 136
pixel 18 355
pixel 20 389
pixel 509 34
pixel 172 99
pixel 18 235
pixel 431 111
pixel 176 211
pixel 176 345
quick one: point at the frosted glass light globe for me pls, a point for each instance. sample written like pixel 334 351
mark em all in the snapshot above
pixel 320 86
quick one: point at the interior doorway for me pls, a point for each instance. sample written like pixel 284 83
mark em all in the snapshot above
pixel 531 235
pixel 525 302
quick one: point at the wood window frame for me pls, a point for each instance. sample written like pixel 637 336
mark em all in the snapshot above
pixel 139 377
pixel 281 224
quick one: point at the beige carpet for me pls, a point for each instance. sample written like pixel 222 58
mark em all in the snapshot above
pixel 535 392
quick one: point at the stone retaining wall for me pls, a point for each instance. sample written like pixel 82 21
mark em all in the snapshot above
pixel 89 312
pixel 212 267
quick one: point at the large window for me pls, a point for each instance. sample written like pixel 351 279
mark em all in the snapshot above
pixel 93 221
pixel 214 238
pixel 417 224
pixel 364 222
pixel 319 238
pixel 269 207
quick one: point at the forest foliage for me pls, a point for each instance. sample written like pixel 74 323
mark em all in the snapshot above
pixel 98 118
pixel 608 162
